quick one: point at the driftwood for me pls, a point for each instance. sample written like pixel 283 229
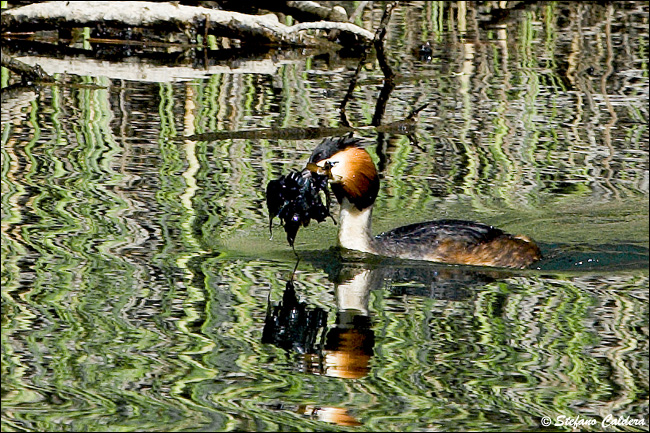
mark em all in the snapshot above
pixel 259 28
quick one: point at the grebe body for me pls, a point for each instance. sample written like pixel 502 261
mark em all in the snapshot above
pixel 355 183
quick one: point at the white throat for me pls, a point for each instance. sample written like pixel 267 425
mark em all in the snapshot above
pixel 355 227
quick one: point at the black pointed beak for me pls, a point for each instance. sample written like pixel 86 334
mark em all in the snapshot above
pixel 318 169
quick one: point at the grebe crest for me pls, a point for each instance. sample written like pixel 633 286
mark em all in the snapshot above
pixel 355 183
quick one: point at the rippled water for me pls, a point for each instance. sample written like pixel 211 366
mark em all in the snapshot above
pixel 141 290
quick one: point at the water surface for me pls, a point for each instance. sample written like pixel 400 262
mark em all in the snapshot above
pixel 140 285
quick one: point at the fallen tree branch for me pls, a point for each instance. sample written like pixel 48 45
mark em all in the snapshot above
pixel 259 28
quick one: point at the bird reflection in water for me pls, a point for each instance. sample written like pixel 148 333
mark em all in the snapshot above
pixel 345 349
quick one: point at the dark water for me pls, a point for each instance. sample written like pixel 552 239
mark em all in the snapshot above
pixel 140 290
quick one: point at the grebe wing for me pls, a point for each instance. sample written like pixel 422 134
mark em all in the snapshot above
pixel 458 242
pixel 468 232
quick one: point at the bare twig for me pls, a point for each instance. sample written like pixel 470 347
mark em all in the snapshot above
pixel 348 94
pixel 416 111
pixel 382 101
pixel 357 12
pixel 310 11
pixel 389 75
pixel 27 72
pixel 378 42
pixel 388 72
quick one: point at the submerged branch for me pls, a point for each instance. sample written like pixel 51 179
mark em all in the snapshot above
pixel 404 127
pixel 307 133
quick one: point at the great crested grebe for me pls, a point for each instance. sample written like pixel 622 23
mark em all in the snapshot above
pixel 355 183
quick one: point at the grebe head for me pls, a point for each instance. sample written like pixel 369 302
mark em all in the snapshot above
pixel 352 173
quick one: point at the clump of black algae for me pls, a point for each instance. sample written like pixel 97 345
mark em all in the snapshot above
pixel 295 199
